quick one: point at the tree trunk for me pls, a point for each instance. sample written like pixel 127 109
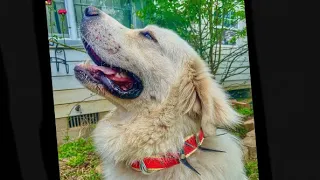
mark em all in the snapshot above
pixel 220 41
pixel 200 30
pixel 210 33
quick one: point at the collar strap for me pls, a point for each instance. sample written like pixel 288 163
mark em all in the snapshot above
pixel 151 164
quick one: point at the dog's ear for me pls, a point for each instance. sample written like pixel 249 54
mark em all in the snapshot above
pixel 203 98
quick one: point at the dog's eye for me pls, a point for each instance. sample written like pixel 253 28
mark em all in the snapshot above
pixel 148 36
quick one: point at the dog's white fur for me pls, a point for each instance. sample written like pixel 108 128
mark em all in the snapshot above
pixel 179 97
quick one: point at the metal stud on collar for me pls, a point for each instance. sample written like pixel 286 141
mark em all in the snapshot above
pixel 184 161
pixel 197 140
pixel 211 150
pixel 143 168
pixel 203 148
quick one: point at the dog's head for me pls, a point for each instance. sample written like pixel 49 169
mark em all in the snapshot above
pixel 138 69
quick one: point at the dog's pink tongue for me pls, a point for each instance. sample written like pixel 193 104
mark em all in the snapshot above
pixel 119 78
pixel 105 70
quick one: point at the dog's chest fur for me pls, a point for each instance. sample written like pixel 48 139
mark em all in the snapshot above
pixel 116 154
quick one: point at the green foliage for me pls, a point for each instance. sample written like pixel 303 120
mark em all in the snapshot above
pixel 92 175
pixel 66 138
pixel 240 131
pixel 244 111
pixel 76 149
pixel 184 17
pixel 252 170
pixel 202 23
pixel 77 159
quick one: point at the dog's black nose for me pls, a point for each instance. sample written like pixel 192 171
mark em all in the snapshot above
pixel 91 11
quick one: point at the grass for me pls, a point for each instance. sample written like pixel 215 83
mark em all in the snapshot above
pixel 78 160
pixel 241 131
pixel 246 112
pixel 252 170
pixel 251 167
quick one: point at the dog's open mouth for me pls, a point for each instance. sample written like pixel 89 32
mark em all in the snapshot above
pixel 119 82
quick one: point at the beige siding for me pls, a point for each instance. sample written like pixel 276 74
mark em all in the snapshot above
pixel 62 129
pixel 74 95
pixel 87 107
pixel 65 82
pixel 241 65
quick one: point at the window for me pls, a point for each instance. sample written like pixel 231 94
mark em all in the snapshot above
pixel 229 27
pixel 55 25
pixel 121 10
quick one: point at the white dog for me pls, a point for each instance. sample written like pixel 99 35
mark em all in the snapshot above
pixel 168 105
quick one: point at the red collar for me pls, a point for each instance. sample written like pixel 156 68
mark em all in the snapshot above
pixel 152 164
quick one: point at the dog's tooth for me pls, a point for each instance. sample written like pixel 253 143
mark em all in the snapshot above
pixel 123 74
pixel 87 62
pixel 118 75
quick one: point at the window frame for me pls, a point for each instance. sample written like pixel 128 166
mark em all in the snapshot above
pixel 74 40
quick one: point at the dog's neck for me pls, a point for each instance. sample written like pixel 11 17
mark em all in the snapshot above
pixel 145 136
pixel 150 131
